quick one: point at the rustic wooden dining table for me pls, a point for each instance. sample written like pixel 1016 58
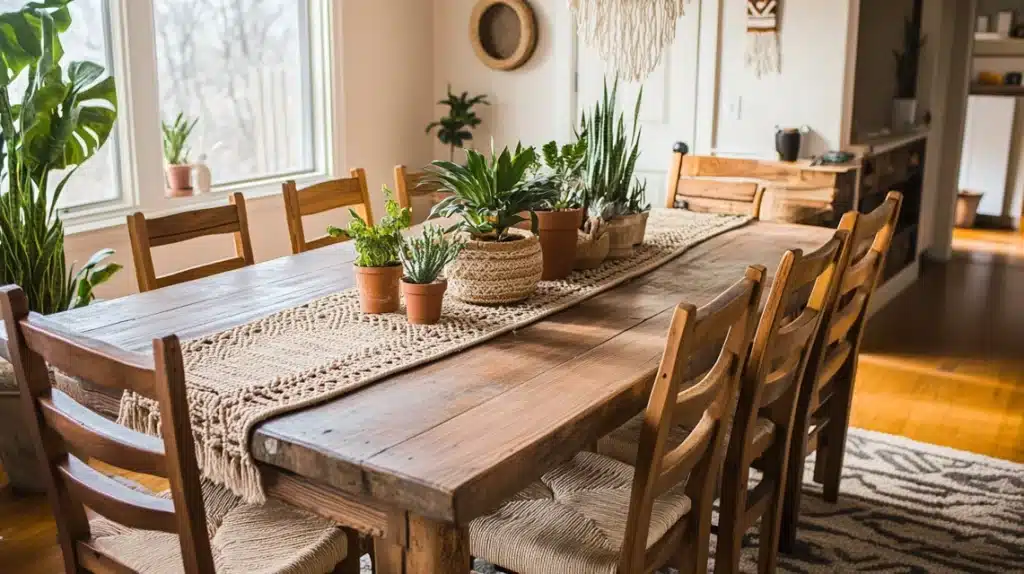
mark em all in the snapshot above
pixel 412 459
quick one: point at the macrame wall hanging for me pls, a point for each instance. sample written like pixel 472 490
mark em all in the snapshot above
pixel 629 35
pixel 763 37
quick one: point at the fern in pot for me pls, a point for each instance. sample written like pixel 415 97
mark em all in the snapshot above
pixel 611 191
pixel 378 268
pixel 66 113
pixel 424 258
pixel 559 219
pixel 500 263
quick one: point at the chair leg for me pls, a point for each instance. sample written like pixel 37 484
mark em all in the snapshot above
pixel 794 486
pixel 731 523
pixel 693 552
pixel 350 565
pixel 831 459
pixel 768 545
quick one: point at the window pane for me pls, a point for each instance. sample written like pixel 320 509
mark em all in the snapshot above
pixel 96 180
pixel 242 68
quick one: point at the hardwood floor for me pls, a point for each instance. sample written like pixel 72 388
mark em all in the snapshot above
pixel 941 364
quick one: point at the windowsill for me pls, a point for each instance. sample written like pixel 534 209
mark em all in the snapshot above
pixel 113 216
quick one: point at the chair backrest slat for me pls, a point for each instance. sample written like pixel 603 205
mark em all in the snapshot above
pixel 63 430
pixel 709 195
pixel 116 501
pixel 145 234
pixel 97 437
pixel 725 323
pixel 410 184
pixel 351 192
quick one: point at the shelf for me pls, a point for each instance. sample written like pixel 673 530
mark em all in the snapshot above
pixel 993 90
pixel 999 48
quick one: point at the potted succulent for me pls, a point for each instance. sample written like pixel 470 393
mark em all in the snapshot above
pixel 378 269
pixel 500 264
pixel 455 129
pixel 66 113
pixel 610 190
pixel 178 170
pixel 559 220
pixel 424 258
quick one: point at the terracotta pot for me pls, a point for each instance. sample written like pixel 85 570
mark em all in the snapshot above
pixel 495 273
pixel 967 208
pixel 179 180
pixel 17 453
pixel 558 231
pixel 378 288
pixel 623 233
pixel 641 227
pixel 423 301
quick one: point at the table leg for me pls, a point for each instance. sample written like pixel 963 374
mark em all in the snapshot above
pixel 436 548
pixel 388 558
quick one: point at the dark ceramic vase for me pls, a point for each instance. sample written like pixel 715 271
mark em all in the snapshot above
pixel 787 143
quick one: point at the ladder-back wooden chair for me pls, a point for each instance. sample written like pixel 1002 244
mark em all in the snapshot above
pixel 659 513
pixel 413 184
pixel 130 533
pixel 348 192
pixel 145 234
pixel 823 411
pixel 741 196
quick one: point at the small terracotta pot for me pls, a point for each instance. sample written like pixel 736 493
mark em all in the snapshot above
pixel 179 180
pixel 378 288
pixel 423 301
pixel 558 230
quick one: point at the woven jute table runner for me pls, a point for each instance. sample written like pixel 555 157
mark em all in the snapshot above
pixel 327 348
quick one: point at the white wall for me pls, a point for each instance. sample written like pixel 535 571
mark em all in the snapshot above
pixel 881 25
pixel 533 103
pixel 809 91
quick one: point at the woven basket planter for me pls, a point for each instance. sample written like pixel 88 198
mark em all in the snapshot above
pixel 493 273
pixel 641 227
pixel 622 233
pixel 592 246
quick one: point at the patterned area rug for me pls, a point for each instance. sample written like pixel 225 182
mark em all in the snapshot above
pixel 904 507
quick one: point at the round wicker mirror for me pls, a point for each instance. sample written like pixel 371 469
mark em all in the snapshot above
pixel 503 32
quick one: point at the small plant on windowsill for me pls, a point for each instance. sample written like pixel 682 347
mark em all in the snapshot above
pixel 500 264
pixel 378 268
pixel 424 258
pixel 455 129
pixel 176 150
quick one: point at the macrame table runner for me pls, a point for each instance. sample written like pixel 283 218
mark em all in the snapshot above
pixel 327 348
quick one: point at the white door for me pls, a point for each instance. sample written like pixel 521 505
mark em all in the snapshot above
pixel 669 109
pixel 985 160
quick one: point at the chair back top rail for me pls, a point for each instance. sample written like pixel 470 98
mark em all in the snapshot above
pixel 145 234
pixel 351 192
pixel 64 433
pixel 725 322
pixel 739 197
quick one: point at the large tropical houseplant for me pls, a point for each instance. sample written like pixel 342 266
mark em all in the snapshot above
pixel 63 115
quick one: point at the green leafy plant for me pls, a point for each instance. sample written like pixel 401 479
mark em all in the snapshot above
pixel 425 257
pixel 377 245
pixel 61 122
pixel 455 129
pixel 908 60
pixel 490 195
pixel 565 168
pixel 610 189
pixel 176 136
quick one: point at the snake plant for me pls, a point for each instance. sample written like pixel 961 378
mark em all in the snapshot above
pixel 425 257
pixel 176 136
pixel 65 115
pixel 377 245
pixel 489 196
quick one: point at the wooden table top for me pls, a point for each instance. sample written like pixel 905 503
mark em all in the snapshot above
pixel 450 440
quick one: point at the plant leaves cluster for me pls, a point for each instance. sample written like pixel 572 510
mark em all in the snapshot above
pixel 454 130
pixel 176 136
pixel 908 59
pixel 610 188
pixel 565 169
pixel 489 196
pixel 62 121
pixel 426 256
pixel 377 245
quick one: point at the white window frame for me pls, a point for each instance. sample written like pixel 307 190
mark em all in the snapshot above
pixel 139 146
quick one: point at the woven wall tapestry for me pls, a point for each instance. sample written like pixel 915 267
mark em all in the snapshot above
pixel 629 35
pixel 763 37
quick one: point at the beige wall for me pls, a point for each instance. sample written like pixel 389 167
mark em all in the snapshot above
pixel 881 32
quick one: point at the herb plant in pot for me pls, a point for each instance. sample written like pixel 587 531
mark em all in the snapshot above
pixel 378 269
pixel 559 220
pixel 610 190
pixel 178 170
pixel 424 258
pixel 500 264
pixel 66 113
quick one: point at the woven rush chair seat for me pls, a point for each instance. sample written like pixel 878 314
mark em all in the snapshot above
pixel 271 538
pixel 572 521
pixel 622 443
